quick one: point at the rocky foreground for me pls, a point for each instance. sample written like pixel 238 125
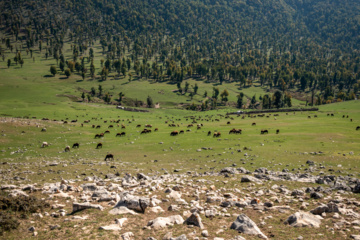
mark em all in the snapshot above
pixel 230 204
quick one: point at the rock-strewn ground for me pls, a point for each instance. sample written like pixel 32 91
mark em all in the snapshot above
pixel 230 204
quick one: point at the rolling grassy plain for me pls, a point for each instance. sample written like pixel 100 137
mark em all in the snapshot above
pixel 31 92
pixel 28 94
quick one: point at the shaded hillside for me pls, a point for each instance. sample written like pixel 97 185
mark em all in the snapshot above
pixel 285 44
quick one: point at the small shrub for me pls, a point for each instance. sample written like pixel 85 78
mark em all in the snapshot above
pixel 7 222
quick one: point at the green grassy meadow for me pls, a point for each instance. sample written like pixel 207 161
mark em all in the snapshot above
pixel 30 93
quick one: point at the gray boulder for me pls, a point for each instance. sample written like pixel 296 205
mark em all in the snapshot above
pixel 228 170
pixel 195 220
pixel 245 225
pixel 133 202
pixel 82 206
pixel 162 222
pixel 304 219
pixel 250 179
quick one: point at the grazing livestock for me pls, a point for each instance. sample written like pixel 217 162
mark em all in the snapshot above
pixel 121 134
pixel 122 126
pixel 98 126
pixel 93 126
pixel 43 130
pixel 45 144
pixel 99 145
pixel 139 125
pixel 174 133
pixel 109 156
pixel 277 131
pixel 209 133
pixel 181 132
pixel 156 129
pixel 67 149
pixel 235 131
pixel 253 124
pixel 145 131
pixel 228 123
pixel 99 135
pixel 264 131
pixel 65 122
pixel 107 131
pixel 76 145
pixel 358 128
pixel 110 126
pixel 148 125
pixel 217 134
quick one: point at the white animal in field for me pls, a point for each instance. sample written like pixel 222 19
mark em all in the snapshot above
pixel 44 144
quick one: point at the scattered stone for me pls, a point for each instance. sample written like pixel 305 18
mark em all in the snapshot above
pixel 205 233
pixel 133 202
pixel 195 220
pixel 127 236
pixel 251 179
pixel 162 222
pixel 121 210
pixel 82 206
pixel 245 225
pixel 304 219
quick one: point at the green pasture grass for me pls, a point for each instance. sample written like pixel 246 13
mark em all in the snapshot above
pixel 158 152
pixel 32 90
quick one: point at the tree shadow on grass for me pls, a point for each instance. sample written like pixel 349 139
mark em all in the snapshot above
pixel 63 78
pixel 48 75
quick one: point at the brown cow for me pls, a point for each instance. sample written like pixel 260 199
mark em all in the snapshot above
pixel 174 133
pixel 253 124
pixel 98 126
pixel 111 126
pixel 181 131
pixel 277 131
pixel 217 134
pixel 67 149
pixel 109 156
pixel 120 134
pixel 264 131
pixel 156 129
pixel 99 145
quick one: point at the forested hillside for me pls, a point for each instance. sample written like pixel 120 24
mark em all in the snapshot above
pixel 291 45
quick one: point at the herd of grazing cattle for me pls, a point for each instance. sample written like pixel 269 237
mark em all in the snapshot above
pixel 170 123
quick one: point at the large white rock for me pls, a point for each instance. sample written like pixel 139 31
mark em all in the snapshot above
pixel 245 225
pixel 111 227
pixel 127 236
pixel 162 222
pixel 121 210
pixel 304 219
pixel 157 209
pixel 82 206
pixel 133 202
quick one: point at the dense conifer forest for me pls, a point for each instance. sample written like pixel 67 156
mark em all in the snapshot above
pixel 303 46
